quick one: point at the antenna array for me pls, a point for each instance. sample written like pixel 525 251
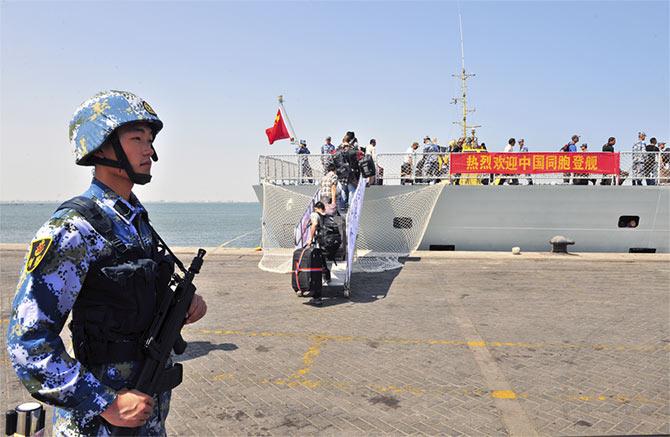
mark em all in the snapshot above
pixel 464 76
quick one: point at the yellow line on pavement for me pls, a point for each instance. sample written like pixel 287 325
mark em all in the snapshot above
pixel 437 342
pixel 620 398
pixel 406 389
pixel 308 358
pixel 503 394
pixel 298 378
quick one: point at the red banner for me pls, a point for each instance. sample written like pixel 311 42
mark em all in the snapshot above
pixel 534 163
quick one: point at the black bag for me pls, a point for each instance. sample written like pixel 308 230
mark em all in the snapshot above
pixel 353 156
pixel 367 166
pixel 342 166
pixel 307 269
pixel 343 172
pixel 330 238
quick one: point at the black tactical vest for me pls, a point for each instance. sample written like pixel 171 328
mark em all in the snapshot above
pixel 120 294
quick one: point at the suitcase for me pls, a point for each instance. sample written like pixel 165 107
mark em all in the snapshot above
pixel 367 166
pixel 307 269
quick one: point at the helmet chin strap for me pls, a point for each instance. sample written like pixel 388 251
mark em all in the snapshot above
pixel 123 163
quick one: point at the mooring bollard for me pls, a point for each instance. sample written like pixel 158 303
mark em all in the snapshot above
pixel 559 244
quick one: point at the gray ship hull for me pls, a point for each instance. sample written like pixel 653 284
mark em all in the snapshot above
pixel 497 218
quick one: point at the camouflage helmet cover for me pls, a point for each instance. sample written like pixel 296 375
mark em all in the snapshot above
pixel 98 116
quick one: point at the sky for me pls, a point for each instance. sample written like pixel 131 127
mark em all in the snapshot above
pixel 213 71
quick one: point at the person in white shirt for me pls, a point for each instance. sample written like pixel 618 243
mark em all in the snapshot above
pixel 509 148
pixel 406 167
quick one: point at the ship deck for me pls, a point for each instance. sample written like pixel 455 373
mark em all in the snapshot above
pixel 453 343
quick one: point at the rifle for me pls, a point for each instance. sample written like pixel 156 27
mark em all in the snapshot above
pixel 164 335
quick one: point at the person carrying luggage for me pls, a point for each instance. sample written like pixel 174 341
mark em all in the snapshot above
pixel 328 188
pixel 324 236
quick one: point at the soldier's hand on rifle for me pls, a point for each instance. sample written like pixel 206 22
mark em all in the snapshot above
pixel 130 409
pixel 197 310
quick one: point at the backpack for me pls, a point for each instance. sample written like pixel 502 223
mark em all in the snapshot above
pixel 342 167
pixel 355 155
pixel 329 235
pixel 565 148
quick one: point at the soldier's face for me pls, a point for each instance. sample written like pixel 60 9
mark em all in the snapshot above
pixel 136 140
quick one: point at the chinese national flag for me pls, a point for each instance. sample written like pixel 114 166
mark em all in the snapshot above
pixel 278 131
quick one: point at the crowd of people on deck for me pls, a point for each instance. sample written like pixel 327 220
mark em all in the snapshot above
pixel 339 182
pixel 650 162
pixel 430 164
pixel 342 174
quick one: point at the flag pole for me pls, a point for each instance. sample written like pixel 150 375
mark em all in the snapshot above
pixel 288 120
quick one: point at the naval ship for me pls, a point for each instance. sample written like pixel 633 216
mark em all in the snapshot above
pixel 616 218
pixel 460 213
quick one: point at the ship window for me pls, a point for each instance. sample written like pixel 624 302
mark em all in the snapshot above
pixel 642 250
pixel 402 222
pixel 629 221
pixel 442 247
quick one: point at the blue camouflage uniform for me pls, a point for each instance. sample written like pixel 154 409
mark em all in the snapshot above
pixel 41 306
pixel 430 166
pixel 639 156
pixel 55 269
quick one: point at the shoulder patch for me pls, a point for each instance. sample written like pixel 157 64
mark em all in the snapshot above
pixel 38 248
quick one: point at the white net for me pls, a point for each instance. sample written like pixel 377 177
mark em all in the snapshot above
pixel 282 210
pixel 390 227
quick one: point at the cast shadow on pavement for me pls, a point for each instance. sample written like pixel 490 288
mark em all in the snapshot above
pixel 365 287
pixel 197 349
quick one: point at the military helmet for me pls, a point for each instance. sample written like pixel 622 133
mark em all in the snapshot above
pixel 97 117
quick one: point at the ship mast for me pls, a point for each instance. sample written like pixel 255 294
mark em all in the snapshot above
pixel 294 138
pixel 464 76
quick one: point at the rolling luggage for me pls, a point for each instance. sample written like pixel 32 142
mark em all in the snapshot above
pixel 307 269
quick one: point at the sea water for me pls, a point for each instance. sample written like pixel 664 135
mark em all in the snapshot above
pixel 180 224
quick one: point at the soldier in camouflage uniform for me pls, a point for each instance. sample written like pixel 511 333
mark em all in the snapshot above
pixel 114 131
pixel 639 155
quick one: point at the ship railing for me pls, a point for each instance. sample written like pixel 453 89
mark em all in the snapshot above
pixel 643 168
pixel 292 169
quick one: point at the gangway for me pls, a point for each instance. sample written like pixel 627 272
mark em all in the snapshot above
pixel 341 269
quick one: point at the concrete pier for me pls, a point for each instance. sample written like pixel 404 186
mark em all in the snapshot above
pixel 451 344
